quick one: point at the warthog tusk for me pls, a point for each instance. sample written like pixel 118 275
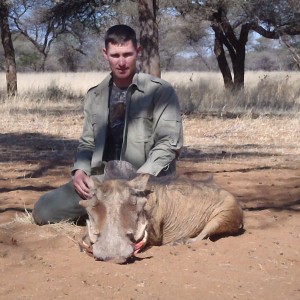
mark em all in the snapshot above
pixel 84 247
pixel 140 245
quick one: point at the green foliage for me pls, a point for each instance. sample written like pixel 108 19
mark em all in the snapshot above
pixel 28 61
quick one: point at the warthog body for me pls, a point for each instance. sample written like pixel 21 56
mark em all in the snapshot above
pixel 170 211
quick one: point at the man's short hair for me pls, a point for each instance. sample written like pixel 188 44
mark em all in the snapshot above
pixel 120 34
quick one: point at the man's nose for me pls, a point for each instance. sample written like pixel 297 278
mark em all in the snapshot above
pixel 122 61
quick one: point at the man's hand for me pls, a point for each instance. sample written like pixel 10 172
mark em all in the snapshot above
pixel 81 184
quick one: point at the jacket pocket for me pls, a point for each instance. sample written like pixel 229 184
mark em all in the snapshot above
pixel 140 127
pixel 142 108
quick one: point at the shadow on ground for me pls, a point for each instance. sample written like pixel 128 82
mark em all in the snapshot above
pixel 32 162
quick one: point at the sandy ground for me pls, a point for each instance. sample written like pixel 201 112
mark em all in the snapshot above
pixel 261 263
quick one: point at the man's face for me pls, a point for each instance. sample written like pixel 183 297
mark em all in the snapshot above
pixel 122 60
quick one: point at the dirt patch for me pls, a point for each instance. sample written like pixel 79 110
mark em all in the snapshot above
pixel 263 262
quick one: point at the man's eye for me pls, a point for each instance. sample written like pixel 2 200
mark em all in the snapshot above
pixel 127 55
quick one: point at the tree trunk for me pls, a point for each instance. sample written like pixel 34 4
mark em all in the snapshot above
pixel 9 51
pixel 221 59
pixel 239 69
pixel 225 36
pixel 150 61
pixel 240 56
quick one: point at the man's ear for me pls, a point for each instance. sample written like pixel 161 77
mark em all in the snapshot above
pixel 104 52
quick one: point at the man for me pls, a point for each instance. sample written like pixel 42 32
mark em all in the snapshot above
pixel 129 116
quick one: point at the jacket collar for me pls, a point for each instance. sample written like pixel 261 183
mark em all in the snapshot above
pixel 137 81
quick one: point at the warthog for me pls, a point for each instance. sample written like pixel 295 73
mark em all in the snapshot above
pixel 123 213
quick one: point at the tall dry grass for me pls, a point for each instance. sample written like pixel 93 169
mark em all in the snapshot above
pixel 52 103
pixel 200 92
pixel 264 93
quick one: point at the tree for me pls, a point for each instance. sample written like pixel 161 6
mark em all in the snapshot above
pixel 150 61
pixel 181 39
pixel 294 50
pixel 9 51
pixel 232 21
pixel 282 21
pixel 28 18
pixel 236 46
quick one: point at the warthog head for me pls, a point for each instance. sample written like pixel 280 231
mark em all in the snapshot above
pixel 117 220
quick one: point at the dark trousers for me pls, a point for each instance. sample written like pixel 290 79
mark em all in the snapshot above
pixel 58 205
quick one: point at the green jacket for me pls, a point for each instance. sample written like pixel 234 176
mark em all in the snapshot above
pixel 153 127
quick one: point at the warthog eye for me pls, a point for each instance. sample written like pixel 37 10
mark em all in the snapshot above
pixel 131 237
pixel 139 193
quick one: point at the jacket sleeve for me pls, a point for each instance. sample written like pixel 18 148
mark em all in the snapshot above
pixel 86 145
pixel 167 131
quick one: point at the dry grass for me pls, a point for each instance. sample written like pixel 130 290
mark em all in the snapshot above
pixel 201 92
pixel 78 83
pixel 272 135
pixel 34 111
pixel 65 228
pixel 25 218
pixel 60 118
pixel 82 81
pixel 264 93
pixel 68 229
pixel 52 103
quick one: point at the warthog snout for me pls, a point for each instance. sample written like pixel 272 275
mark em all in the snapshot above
pixel 120 256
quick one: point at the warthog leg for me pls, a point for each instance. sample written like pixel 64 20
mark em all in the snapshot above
pixel 211 228
pixel 218 225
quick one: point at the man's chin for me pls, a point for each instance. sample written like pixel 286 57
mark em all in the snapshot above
pixel 123 75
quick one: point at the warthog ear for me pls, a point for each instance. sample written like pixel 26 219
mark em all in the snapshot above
pixel 139 183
